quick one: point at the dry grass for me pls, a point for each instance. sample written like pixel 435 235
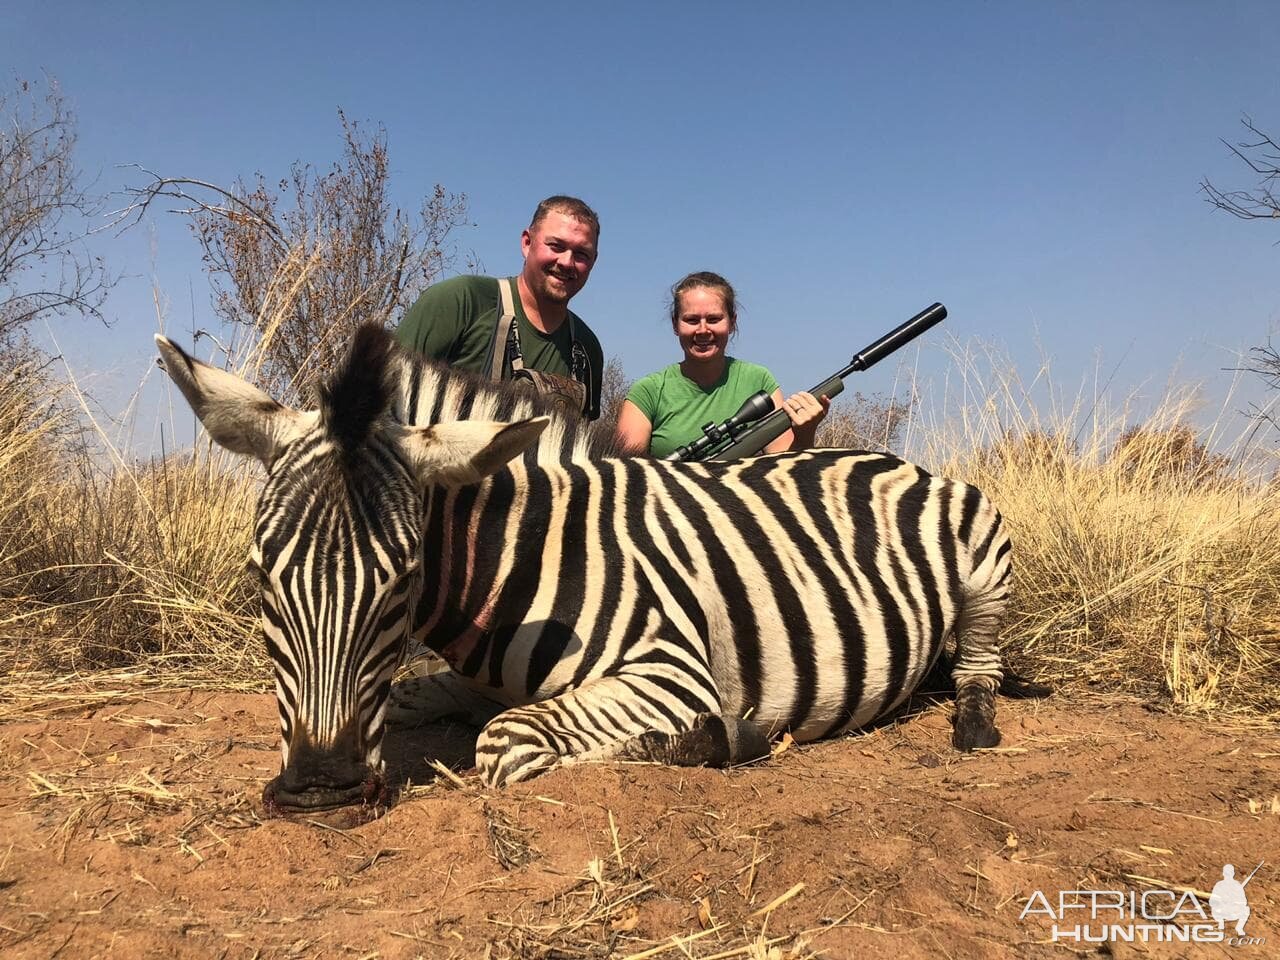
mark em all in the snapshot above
pixel 109 562
pixel 861 422
pixel 106 563
pixel 1147 557
pixel 130 564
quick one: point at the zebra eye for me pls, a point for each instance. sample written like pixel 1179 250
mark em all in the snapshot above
pixel 256 570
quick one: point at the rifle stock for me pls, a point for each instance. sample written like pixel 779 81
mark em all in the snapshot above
pixel 754 438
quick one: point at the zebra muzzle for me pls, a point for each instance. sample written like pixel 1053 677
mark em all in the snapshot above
pixel 359 803
pixel 317 780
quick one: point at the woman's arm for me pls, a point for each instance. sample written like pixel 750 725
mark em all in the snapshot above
pixel 634 429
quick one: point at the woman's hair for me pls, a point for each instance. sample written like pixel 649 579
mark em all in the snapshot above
pixel 713 281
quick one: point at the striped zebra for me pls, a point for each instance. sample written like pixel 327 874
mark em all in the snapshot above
pixel 587 606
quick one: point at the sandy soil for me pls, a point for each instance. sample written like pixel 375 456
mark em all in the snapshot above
pixel 133 829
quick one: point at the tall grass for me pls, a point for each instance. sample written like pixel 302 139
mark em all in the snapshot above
pixel 106 562
pixel 1147 557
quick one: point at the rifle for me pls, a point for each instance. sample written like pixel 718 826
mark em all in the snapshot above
pixel 758 422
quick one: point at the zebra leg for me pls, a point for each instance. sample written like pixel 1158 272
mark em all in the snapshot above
pixel 597 721
pixel 977 670
pixel 434 692
pixel 714 741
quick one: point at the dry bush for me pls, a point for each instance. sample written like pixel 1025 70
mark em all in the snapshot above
pixel 614 387
pixel 348 256
pixel 864 423
pixel 1142 560
pixel 1172 453
pixel 45 267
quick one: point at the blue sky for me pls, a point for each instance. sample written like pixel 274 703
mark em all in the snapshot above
pixel 1034 166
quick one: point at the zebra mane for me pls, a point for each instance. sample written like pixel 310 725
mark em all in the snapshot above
pixel 429 392
pixel 359 390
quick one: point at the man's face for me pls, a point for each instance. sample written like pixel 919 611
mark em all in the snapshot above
pixel 558 256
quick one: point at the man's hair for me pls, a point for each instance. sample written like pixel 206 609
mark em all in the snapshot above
pixel 570 207
pixel 712 281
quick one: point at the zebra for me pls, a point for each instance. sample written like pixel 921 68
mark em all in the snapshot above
pixel 588 606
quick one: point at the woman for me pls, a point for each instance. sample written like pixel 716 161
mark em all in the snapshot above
pixel 667 409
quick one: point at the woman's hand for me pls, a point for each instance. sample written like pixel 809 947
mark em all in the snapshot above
pixel 806 412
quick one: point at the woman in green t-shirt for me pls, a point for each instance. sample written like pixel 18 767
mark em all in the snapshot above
pixel 667 409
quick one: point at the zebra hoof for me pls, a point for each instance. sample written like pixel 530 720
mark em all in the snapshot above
pixel 713 741
pixel 973 733
pixel 747 742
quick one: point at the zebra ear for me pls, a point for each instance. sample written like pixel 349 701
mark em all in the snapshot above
pixel 237 414
pixel 466 451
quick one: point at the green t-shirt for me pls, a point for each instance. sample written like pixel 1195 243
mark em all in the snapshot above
pixel 454 321
pixel 677 407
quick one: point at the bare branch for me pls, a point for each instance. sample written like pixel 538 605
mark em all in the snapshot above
pixel 236 207
pixel 1264 361
pixel 1262 156
pixel 44 214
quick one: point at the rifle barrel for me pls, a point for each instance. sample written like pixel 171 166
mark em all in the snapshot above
pixel 897 338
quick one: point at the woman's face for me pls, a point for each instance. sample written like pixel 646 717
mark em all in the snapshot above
pixel 702 324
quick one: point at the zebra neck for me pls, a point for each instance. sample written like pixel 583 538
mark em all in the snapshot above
pixel 483 553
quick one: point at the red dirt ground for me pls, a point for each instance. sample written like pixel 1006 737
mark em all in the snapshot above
pixel 132 830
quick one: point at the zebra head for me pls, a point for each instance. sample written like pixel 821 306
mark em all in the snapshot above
pixel 336 549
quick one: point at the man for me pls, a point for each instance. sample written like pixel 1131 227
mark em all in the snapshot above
pixel 461 320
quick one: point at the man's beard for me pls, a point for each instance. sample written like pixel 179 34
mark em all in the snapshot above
pixel 562 293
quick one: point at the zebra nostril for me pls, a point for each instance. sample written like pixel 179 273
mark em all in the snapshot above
pixel 337 768
pixel 341 810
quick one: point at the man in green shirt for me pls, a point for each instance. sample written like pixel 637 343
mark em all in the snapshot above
pixel 457 320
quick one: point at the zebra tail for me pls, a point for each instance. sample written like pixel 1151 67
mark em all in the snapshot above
pixel 1013 685
pixel 1020 688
